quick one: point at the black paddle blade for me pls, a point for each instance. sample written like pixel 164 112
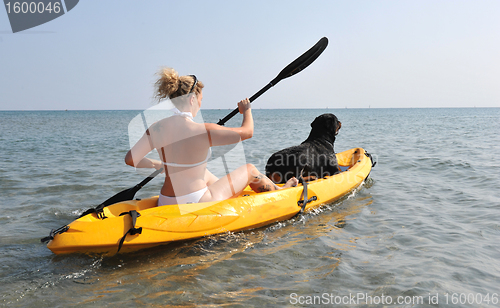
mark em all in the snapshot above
pixel 124 195
pixel 291 69
pixel 303 61
pixel 129 194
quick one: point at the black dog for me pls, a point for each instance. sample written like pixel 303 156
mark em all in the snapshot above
pixel 314 158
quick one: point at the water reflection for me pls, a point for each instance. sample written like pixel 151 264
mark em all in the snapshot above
pixel 263 264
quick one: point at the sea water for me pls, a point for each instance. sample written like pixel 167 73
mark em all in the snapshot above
pixel 423 229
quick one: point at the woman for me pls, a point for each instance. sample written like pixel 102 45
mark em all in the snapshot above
pixel 184 147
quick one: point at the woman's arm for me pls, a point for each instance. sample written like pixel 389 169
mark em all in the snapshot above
pixel 220 135
pixel 143 163
pixel 136 155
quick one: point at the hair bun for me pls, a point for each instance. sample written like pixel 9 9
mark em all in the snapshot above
pixel 167 84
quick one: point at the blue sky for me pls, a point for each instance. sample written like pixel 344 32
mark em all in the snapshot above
pixel 382 54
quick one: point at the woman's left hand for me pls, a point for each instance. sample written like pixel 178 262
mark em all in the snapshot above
pixel 158 165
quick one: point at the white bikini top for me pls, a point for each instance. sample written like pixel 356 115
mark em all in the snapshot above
pixel 188 115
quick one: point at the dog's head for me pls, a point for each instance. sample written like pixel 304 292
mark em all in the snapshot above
pixel 326 123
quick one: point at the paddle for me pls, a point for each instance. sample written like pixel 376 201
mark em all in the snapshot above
pixel 293 68
pixel 124 195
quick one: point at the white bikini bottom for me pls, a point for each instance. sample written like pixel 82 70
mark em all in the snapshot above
pixel 193 197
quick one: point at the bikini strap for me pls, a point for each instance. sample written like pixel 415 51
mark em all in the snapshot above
pixel 209 153
pixel 188 115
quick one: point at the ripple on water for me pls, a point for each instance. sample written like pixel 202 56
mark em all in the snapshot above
pixel 426 223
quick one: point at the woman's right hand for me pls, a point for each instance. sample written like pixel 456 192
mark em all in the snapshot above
pixel 244 105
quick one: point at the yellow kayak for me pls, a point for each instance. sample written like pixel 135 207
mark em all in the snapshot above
pixel 138 224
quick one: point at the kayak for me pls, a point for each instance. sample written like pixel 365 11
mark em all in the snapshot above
pixel 137 224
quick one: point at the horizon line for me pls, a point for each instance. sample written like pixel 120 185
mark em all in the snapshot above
pixel 229 109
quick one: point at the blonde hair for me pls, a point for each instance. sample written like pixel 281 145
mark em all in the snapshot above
pixel 171 85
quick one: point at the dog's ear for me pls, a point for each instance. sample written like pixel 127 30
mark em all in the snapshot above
pixel 326 122
pixel 319 122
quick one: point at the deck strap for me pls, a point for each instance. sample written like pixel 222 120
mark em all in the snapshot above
pixel 99 211
pixel 132 231
pixel 302 203
pixel 371 159
pixel 54 232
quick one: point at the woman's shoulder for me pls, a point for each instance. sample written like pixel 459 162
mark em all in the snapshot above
pixel 213 126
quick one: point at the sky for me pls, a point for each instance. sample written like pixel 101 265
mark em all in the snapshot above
pixel 103 55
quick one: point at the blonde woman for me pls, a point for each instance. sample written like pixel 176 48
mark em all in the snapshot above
pixel 184 147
